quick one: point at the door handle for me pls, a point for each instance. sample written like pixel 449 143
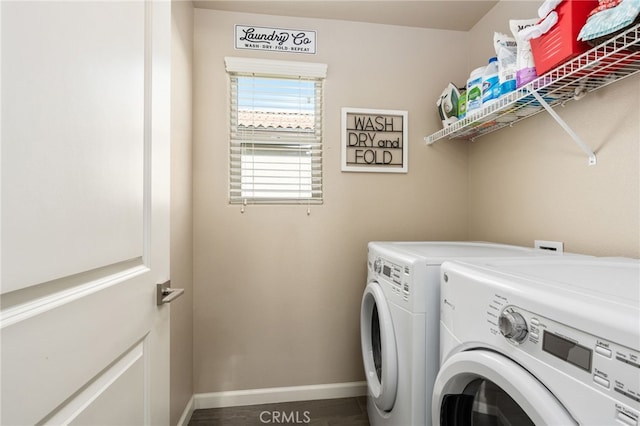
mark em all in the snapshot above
pixel 166 294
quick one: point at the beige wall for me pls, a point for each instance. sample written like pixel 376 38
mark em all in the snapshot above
pixel 277 293
pixel 181 208
pixel 532 182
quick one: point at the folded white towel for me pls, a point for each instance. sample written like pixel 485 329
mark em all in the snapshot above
pixel 547 6
pixel 540 28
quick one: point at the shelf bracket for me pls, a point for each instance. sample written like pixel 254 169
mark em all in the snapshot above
pixel 583 146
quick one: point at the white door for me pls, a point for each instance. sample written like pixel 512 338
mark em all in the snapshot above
pixel 85 169
pixel 483 387
pixel 379 350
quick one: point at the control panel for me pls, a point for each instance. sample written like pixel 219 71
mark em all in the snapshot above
pixel 602 364
pixel 398 275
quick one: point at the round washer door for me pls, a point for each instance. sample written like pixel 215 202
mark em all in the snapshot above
pixel 480 387
pixel 379 352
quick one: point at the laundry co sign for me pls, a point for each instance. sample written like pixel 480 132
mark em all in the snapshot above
pixel 275 39
pixel 374 140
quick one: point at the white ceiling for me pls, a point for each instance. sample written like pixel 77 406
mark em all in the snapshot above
pixel 446 14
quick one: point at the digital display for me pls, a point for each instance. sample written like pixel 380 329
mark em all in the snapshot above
pixel 386 270
pixel 567 350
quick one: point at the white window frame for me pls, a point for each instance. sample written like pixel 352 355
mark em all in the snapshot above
pixel 299 168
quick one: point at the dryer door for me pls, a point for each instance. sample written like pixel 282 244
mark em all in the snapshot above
pixel 480 387
pixel 378 347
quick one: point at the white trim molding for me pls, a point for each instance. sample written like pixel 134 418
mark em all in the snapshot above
pixel 276 395
pixel 187 413
pixel 275 67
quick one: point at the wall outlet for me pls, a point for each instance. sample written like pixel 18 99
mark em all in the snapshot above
pixel 552 246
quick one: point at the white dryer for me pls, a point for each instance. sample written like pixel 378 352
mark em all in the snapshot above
pixel 400 323
pixel 551 341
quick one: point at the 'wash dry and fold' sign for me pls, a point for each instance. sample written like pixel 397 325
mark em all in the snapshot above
pixel 374 140
pixel 275 39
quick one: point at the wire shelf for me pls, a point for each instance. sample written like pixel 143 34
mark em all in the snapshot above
pixel 611 61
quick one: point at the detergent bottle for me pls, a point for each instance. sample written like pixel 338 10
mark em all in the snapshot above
pixel 490 82
pixel 462 103
pixel 474 90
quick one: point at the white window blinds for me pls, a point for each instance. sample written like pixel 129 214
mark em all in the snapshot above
pixel 275 131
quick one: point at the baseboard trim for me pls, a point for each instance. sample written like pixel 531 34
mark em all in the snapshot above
pixel 275 395
pixel 188 411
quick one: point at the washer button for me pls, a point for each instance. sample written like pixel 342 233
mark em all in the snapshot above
pixel 603 351
pixel 627 420
pixel 601 381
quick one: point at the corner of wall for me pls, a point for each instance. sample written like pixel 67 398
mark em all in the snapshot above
pixel 181 334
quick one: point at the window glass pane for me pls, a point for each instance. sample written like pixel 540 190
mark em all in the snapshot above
pixel 276 95
pixel 493 406
pixel 376 342
pixel 276 151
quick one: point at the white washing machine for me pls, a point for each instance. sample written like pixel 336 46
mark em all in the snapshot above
pixel 551 341
pixel 400 323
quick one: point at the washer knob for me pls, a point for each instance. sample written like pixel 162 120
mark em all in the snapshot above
pixel 377 266
pixel 513 326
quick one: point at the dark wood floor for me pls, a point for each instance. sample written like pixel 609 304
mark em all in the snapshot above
pixel 325 412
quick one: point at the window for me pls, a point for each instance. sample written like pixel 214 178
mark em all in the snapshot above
pixel 275 131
